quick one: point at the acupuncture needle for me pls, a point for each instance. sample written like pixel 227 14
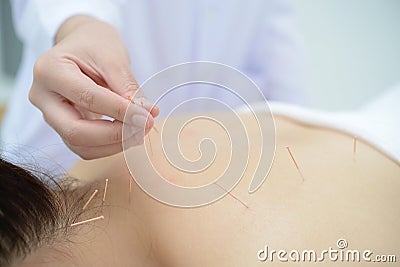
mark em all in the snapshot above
pixel 87 221
pixel 133 102
pixel 232 195
pixel 105 192
pixel 148 135
pixel 90 199
pixel 295 163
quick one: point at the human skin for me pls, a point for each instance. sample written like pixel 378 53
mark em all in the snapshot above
pixel 342 196
pixel 84 76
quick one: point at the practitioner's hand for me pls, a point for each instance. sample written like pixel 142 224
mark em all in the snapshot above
pixel 84 76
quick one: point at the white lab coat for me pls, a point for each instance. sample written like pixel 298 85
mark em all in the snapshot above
pixel 257 37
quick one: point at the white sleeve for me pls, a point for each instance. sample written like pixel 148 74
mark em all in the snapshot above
pixel 279 53
pixel 37 21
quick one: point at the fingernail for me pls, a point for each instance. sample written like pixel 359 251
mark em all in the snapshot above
pixel 149 123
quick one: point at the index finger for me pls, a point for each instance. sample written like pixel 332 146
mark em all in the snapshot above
pixel 84 92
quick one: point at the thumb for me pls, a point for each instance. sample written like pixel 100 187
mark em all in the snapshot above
pixel 121 80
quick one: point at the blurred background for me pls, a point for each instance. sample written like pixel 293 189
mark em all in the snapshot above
pixel 10 53
pixel 352 49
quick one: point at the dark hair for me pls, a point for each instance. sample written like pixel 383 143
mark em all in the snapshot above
pixel 33 211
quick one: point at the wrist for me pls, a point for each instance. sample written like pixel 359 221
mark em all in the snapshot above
pixel 71 24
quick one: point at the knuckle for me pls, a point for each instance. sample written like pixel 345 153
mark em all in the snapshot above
pixel 39 68
pixel 120 110
pixel 42 66
pixel 83 152
pixel 46 118
pixel 116 135
pixel 32 96
pixel 130 86
pixel 129 82
pixel 86 98
pixel 70 135
pixel 85 155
